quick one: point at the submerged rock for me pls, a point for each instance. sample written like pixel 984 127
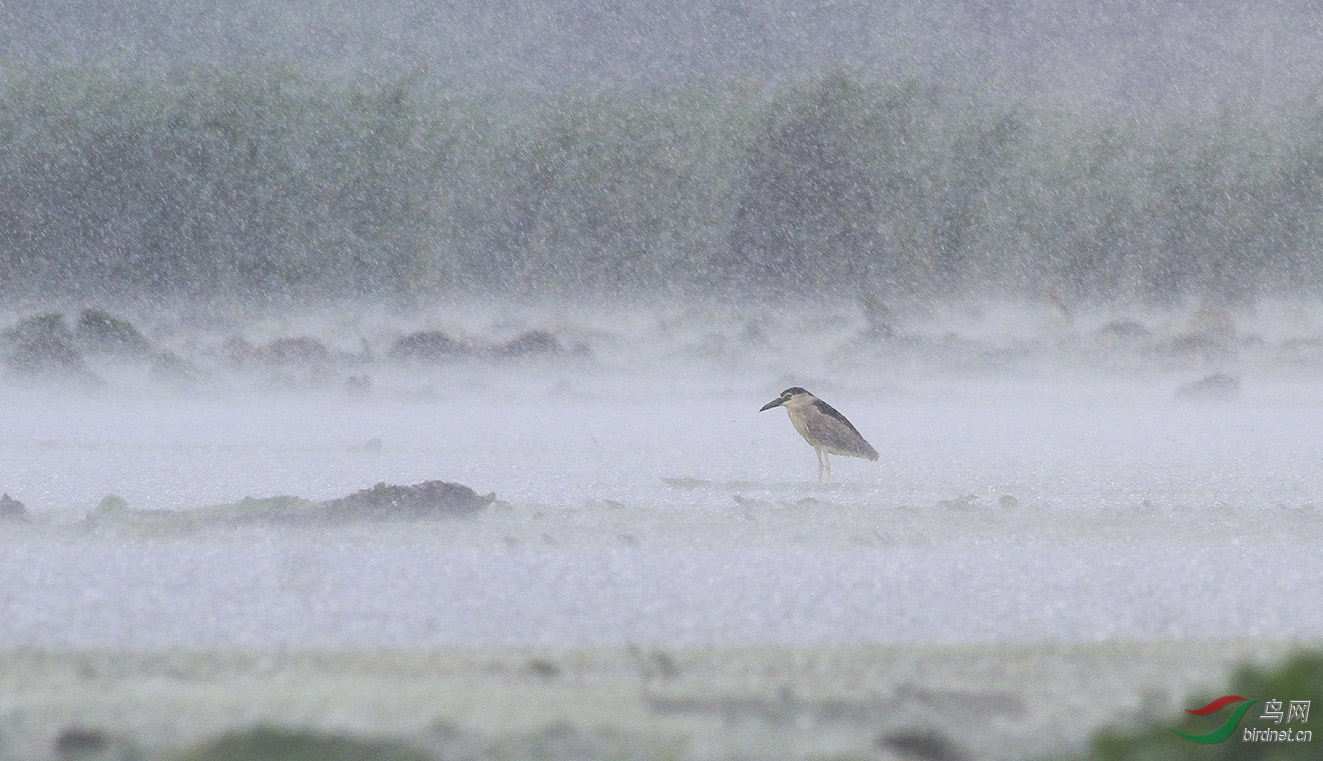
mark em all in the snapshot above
pixel 294 352
pixel 1218 387
pixel 42 348
pixel 41 327
pixel 435 346
pixel 534 343
pixel 428 346
pixel 293 362
pixel 925 744
pixel 879 320
pixel 1307 352
pixel 13 510
pixel 1122 331
pixel 112 505
pixel 358 385
pixel 1208 334
pixel 93 743
pixel 383 502
pixel 101 334
pixel 299 351
pixel 169 369
pixel 1194 346
pixel 429 499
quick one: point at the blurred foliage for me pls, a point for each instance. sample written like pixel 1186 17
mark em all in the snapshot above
pixel 559 741
pixel 1299 677
pixel 256 184
pixel 266 744
pixel 211 184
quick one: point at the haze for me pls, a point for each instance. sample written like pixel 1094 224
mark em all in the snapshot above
pixel 1057 262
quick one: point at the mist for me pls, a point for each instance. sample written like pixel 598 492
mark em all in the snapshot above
pixel 391 374
pixel 243 153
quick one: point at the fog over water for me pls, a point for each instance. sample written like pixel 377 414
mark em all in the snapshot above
pixel 1037 482
pixel 1057 262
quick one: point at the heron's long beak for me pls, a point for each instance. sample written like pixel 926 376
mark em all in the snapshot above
pixel 777 402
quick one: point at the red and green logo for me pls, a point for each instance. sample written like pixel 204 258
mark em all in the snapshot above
pixel 1224 731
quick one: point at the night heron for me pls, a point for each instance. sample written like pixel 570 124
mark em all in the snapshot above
pixel 825 429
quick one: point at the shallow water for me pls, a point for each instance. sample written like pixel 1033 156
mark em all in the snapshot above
pixel 1070 514
pixel 337 595
pixel 1050 540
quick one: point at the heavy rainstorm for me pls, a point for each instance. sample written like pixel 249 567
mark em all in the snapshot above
pixel 383 380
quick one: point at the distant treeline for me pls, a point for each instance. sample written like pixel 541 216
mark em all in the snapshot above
pixel 257 184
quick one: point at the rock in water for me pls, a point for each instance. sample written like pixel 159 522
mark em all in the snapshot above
pixel 1218 387
pixel 41 348
pixel 13 510
pixel 428 346
pixel 927 745
pixel 429 499
pixel 534 343
pixel 101 334
pixel 170 370
pixel 299 351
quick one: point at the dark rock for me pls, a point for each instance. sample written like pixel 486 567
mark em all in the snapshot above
pixel 1205 346
pixel 76 742
pixel 112 504
pixel 1218 387
pixel 1122 331
pixel 383 502
pixel 45 357
pixel 534 343
pixel 879 320
pixel 42 347
pixel 543 668
pixel 236 351
pixel 300 351
pixel 1302 351
pixel 1209 333
pixel 13 510
pixel 42 327
pixel 169 369
pixel 921 745
pixel 297 362
pixel 100 334
pixel 429 499
pixel 358 385
pixel 428 346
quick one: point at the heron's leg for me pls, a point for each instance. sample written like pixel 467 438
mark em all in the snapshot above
pixel 820 455
pixel 826 458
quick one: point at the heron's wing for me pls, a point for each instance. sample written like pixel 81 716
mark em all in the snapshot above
pixel 831 412
pixel 836 434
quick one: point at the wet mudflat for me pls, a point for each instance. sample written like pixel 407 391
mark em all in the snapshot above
pixel 647 567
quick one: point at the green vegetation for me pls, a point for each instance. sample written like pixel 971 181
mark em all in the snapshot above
pixel 261 185
pixel 265 744
pixel 1297 678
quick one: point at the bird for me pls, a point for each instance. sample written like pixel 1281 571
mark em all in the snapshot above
pixel 825 429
